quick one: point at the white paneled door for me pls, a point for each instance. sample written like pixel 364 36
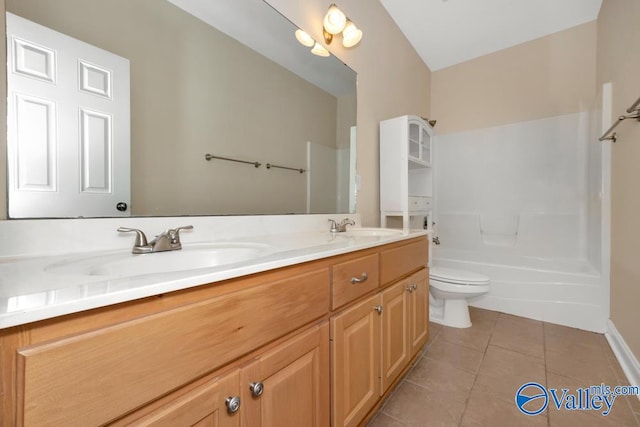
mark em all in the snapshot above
pixel 68 125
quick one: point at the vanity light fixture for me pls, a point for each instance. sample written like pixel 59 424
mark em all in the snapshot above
pixel 308 41
pixel 319 50
pixel 304 38
pixel 336 22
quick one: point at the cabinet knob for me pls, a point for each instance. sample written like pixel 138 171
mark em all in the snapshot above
pixel 410 288
pixel 378 309
pixel 256 388
pixel 363 278
pixel 233 404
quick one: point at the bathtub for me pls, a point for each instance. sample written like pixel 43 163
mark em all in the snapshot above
pixel 561 290
pixel 526 204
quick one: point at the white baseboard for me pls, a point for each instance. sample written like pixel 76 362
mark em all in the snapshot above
pixel 626 358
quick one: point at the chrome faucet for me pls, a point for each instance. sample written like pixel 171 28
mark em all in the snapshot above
pixel 168 240
pixel 340 227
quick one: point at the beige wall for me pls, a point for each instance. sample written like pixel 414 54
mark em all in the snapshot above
pixel 549 76
pixel 194 90
pixel 392 80
pixel 619 63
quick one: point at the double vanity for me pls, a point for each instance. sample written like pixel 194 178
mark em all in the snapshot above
pixel 250 323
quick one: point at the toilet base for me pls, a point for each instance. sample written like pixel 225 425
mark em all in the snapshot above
pixel 453 313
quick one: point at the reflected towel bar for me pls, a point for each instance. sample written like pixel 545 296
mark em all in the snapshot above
pixel 211 156
pixel 300 170
pixel 633 109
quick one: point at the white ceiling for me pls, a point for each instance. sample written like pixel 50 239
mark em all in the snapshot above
pixel 447 32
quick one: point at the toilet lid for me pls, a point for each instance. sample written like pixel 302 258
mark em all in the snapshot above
pixel 459 277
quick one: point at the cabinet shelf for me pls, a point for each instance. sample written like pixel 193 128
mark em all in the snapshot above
pixel 406 173
pixel 415 163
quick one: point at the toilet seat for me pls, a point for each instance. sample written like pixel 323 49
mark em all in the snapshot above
pixel 458 277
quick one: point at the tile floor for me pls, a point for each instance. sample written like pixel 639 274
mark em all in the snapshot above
pixel 469 377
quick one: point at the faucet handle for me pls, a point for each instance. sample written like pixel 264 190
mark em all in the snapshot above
pixel 334 226
pixel 174 233
pixel 347 221
pixel 141 239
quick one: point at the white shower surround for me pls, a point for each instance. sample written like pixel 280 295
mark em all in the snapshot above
pixel 523 204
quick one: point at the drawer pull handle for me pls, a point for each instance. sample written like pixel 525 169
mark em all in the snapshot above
pixel 233 404
pixel 409 288
pixel 378 309
pixel 256 388
pixel 363 278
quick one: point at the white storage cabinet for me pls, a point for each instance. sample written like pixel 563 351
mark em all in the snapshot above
pixel 406 174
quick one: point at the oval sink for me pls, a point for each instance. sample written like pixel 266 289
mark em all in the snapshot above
pixel 370 232
pixel 191 257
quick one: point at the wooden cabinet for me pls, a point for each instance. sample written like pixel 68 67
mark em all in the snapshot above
pixel 395 332
pixel 289 385
pixel 406 175
pixel 312 339
pixel 418 310
pixel 355 339
pixel 405 323
pixel 373 343
pixel 161 351
pixel 208 405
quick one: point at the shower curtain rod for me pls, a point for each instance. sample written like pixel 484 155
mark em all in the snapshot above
pixel 633 109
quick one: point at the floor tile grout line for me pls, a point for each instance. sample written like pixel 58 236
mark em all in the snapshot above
pixel 475 378
pixel 424 351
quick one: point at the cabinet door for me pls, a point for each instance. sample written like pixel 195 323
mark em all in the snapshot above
pixel 419 310
pixel 355 353
pixel 204 406
pixel 395 332
pixel 289 385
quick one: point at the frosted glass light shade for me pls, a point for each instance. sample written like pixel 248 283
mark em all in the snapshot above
pixel 304 38
pixel 351 35
pixel 334 20
pixel 319 50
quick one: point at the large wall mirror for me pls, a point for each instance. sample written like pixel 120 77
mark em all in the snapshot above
pixel 224 77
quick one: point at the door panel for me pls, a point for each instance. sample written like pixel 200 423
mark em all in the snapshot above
pixel 419 310
pixel 395 332
pixel 356 362
pixel 68 125
pixel 295 381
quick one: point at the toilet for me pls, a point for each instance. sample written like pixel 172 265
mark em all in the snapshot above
pixel 449 291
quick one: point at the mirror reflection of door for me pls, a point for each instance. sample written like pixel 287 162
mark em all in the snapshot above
pixel 68 125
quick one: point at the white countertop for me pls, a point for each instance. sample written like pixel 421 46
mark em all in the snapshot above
pixel 35 287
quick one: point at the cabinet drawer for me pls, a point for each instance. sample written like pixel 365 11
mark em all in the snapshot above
pixel 354 278
pixel 99 375
pixel 400 261
pixel 417 203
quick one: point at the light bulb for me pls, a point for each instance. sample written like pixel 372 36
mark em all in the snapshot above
pixel 304 38
pixel 319 50
pixel 351 35
pixel 334 20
